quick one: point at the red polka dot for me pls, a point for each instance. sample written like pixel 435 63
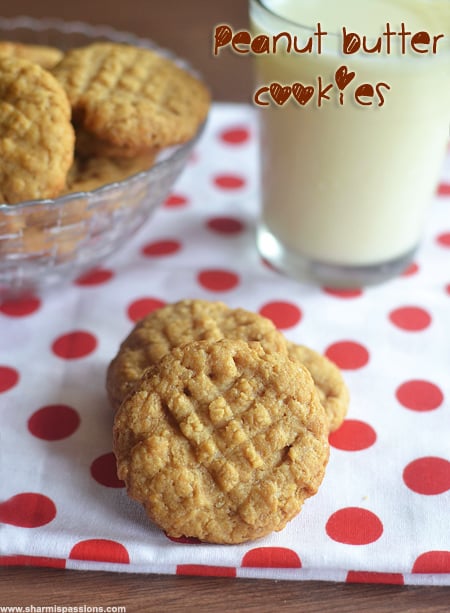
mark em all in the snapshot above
pixel 348 355
pixel 217 280
pixel 104 471
pixel 142 307
pixel 429 476
pixel 353 435
pixel 100 550
pixel 271 557
pixel 225 225
pixel 269 265
pixel 447 288
pixel 74 345
pixel 186 540
pixel 161 248
pixel 283 314
pixel 54 422
pixel 175 201
pixel 444 189
pixel 343 293
pixel 235 136
pixel 32 561
pixel 444 239
pixel 411 270
pixel 229 182
pixel 193 157
pixel 95 277
pixel 202 570
pixel 419 395
pixel 358 576
pixel 432 562
pixel 27 510
pixel 20 307
pixel 9 377
pixel 410 318
pixel 354 526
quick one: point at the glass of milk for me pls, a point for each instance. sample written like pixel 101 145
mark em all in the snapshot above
pixel 348 171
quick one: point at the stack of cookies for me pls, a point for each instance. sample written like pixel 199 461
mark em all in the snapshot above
pixel 94 115
pixel 221 425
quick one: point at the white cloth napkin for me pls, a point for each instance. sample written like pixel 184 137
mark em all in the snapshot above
pixel 382 512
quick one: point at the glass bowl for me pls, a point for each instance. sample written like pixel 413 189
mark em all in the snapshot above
pixel 49 242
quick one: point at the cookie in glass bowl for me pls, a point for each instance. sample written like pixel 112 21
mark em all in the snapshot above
pixel 109 192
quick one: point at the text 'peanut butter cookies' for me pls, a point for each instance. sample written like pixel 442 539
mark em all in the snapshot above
pixel 222 441
pixel 131 98
pixel 36 135
pixel 332 390
pixel 177 324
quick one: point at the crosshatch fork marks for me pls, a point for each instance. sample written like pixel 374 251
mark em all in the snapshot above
pixel 238 441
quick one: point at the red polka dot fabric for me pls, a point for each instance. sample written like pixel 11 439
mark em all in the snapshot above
pixel 381 514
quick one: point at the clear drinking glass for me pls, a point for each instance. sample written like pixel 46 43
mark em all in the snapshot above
pixel 348 173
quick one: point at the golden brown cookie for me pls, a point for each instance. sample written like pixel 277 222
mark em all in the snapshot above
pixel 89 174
pixel 36 135
pixel 332 390
pixel 45 56
pixel 88 146
pixel 130 97
pixel 222 441
pixel 177 324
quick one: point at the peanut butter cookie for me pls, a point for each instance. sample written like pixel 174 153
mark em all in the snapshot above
pixel 332 390
pixel 88 146
pixel 45 56
pixel 177 324
pixel 89 174
pixel 36 135
pixel 222 441
pixel 131 98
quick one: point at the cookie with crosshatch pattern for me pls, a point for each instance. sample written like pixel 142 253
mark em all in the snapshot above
pixel 331 388
pixel 222 441
pixel 178 323
pixel 43 55
pixel 36 135
pixel 131 99
pixel 94 172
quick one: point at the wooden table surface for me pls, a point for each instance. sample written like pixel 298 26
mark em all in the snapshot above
pixel 186 27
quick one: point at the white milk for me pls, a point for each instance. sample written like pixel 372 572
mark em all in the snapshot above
pixel 350 184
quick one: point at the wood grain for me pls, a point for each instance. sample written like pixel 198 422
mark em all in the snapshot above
pixel 186 27
pixel 181 594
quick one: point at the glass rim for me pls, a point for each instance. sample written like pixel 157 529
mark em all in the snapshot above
pixel 172 156
pixel 271 11
pixel 283 18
